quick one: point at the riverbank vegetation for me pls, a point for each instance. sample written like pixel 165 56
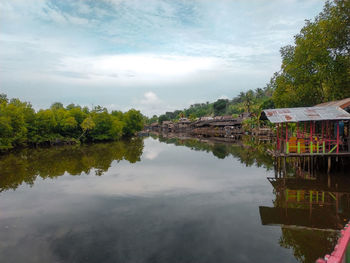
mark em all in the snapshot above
pixel 25 166
pixel 315 69
pixel 251 101
pixel 21 125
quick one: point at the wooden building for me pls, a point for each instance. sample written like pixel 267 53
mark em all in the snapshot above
pixel 183 125
pixel 310 131
pixel 167 126
pixel 220 126
pixel 155 127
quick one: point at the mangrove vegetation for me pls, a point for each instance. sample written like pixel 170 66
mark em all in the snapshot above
pixel 21 125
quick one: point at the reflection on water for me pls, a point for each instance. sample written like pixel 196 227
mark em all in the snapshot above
pixel 310 211
pixel 246 151
pixel 25 166
pixel 165 200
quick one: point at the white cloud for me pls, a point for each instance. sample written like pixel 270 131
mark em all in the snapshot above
pixel 111 51
pixel 150 104
pixel 153 151
pixel 150 98
pixel 144 66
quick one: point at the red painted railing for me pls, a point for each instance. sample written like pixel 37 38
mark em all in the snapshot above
pixel 339 253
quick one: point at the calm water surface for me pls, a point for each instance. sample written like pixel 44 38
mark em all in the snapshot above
pixel 159 200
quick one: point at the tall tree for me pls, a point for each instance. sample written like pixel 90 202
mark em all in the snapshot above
pixel 220 106
pixel 317 67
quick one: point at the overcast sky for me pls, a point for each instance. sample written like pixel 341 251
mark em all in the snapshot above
pixel 153 55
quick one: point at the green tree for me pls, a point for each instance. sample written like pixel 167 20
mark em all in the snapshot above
pixel 220 106
pixel 5 132
pixel 3 98
pixel 133 122
pixel 45 127
pixel 56 106
pixel 103 125
pixel 87 125
pixel 162 118
pixel 316 68
pixel 248 100
pixel 192 117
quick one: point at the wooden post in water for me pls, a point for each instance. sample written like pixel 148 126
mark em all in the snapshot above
pixel 329 164
pixel 276 168
pixel 337 136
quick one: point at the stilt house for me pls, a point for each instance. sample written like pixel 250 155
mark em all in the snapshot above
pixel 310 130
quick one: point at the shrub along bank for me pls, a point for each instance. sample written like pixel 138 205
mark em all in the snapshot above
pixel 21 125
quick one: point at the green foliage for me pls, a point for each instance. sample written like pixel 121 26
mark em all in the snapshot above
pixel 20 125
pixel 103 126
pixel 268 104
pixel 15 117
pixel 163 118
pixel 251 101
pixel 133 122
pixel 3 98
pixel 220 106
pixel 56 106
pixel 317 67
pixel 87 124
pixel 192 117
pixel 151 120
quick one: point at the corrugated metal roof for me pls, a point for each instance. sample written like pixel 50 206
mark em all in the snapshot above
pixel 306 114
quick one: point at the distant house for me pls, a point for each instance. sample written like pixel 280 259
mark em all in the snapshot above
pixel 343 104
pixel 155 126
pixel 219 126
pixel 167 126
pixel 183 125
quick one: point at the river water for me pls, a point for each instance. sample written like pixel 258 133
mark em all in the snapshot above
pixel 162 200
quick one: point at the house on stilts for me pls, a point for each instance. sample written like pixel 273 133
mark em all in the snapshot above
pixel 310 130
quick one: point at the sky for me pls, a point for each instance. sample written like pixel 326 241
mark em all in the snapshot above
pixel 152 55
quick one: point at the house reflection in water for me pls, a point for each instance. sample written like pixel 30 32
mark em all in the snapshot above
pixel 310 211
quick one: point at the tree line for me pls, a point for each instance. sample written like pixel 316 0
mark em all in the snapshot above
pixel 251 101
pixel 21 125
pixel 315 69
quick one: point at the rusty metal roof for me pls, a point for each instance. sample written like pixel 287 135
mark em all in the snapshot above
pixel 344 103
pixel 306 114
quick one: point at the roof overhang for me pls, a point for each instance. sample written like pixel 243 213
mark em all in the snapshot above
pixel 303 114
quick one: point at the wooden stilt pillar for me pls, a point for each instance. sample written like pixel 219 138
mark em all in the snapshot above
pixel 276 168
pixel 329 165
pixel 279 166
pixel 338 141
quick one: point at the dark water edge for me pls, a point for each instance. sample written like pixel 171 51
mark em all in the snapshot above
pixel 164 200
pixel 58 143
